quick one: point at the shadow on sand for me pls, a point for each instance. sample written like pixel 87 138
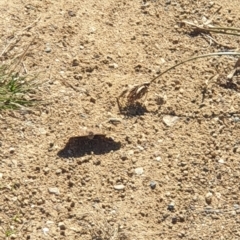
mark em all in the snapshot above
pixel 83 145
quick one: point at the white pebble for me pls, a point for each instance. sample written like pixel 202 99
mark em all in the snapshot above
pixel 54 190
pixel 170 120
pixel 119 187
pixel 139 171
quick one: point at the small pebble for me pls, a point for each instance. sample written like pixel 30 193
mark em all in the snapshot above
pixel 59 171
pixel 170 120
pixel 13 236
pixel 221 161
pixel 130 152
pixel 62 226
pixel 236 206
pixel 140 147
pixel 1 175
pixel 93 100
pixel 208 198
pixel 45 230
pixel 139 170
pixel 11 150
pixel 71 13
pixel 174 220
pixel 211 3
pixel 113 65
pixel 229 19
pixel 46 170
pixel 119 187
pixel 78 76
pixel 171 206
pixel 54 190
pixel 153 184
pixel 48 49
pixel 158 159
pixel 75 62
pixel 236 119
pixel 114 121
pixel 124 157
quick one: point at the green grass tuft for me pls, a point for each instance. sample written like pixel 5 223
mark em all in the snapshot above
pixel 15 90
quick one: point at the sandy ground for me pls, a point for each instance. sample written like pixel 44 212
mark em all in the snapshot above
pixel 171 172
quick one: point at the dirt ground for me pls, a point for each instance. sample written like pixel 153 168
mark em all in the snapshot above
pixel 171 172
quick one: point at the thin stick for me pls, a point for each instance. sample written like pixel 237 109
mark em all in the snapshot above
pixel 31 25
pixel 225 28
pixel 23 54
pixel 24 67
pixel 219 30
pixel 193 58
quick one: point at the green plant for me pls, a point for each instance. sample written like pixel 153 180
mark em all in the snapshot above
pixel 9 232
pixel 16 87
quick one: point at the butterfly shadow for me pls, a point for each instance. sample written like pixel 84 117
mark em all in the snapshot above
pixel 84 145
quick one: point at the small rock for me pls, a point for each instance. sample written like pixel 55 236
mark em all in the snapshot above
pixel 153 184
pixel 208 198
pixel 236 206
pixel 81 47
pixel 93 100
pixel 211 3
pixel 221 161
pixel 46 170
pixel 158 159
pixel 11 149
pixel 145 5
pixel 75 62
pixel 45 230
pixel 124 157
pixel 97 162
pixel 48 49
pixel 113 65
pixel 170 120
pixel 54 190
pixel 229 19
pixel 92 29
pixel 13 236
pixel 72 205
pixel 71 13
pixel 1 175
pixel 174 220
pixel 114 121
pixel 139 170
pixel 42 131
pixel 130 152
pixel 59 171
pixel 70 183
pixel 171 206
pixel 140 147
pixel 119 187
pixel 62 226
pixel 78 76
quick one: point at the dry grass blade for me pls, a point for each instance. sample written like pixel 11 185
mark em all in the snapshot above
pixel 130 97
pixel 220 30
pixel 236 68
